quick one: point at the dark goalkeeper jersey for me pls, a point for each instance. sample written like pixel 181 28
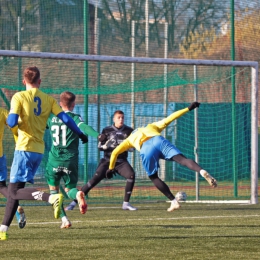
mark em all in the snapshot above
pixel 117 135
pixel 65 142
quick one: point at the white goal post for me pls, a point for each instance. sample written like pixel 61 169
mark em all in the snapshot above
pixel 102 58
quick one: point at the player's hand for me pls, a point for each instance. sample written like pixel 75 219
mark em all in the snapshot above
pixel 193 105
pixel 83 138
pixel 110 173
pixel 102 138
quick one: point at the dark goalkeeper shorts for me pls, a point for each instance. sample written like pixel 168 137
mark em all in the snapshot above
pixel 123 168
pixel 68 171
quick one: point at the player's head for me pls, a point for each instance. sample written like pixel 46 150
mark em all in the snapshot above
pixel 31 76
pixel 67 100
pixel 118 118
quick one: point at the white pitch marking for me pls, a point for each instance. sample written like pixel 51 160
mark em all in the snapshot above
pixel 143 219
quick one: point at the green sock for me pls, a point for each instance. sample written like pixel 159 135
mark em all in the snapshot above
pixel 62 213
pixel 72 193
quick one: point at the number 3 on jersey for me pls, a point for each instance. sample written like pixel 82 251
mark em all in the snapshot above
pixel 57 132
pixel 38 110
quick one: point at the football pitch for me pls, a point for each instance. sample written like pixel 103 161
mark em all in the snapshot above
pixel 196 231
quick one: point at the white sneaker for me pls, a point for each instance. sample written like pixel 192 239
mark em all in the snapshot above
pixel 174 205
pixel 212 182
pixel 128 206
pixel 65 224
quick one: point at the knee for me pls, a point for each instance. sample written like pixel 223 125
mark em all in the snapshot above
pixel 131 178
pixel 54 188
pixel 154 176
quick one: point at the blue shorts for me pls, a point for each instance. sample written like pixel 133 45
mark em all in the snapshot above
pixel 3 168
pixel 155 149
pixel 24 166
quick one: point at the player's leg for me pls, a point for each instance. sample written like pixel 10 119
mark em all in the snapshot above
pixel 192 165
pixel 125 170
pixel 3 176
pixel 3 188
pixel 72 205
pixel 99 175
pixel 65 222
pixel 53 177
pixel 10 209
pixel 150 154
pixel 165 190
pixel 71 181
pixel 20 214
pixel 24 167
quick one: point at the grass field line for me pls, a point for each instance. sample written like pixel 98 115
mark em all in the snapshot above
pixel 144 219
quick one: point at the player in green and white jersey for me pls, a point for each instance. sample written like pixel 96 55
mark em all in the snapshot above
pixel 63 156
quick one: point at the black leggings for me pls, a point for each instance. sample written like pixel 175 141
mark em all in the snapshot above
pixel 161 186
pixel 122 168
pixel 182 160
pixel 16 192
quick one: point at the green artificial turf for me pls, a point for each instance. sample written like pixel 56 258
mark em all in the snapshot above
pixel 196 231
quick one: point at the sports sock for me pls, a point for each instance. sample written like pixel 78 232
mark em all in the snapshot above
pixel 62 212
pixel 3 228
pixel 202 172
pixel 129 188
pixel 64 218
pixel 72 193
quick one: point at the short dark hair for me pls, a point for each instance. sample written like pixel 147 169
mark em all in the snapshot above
pixel 31 74
pixel 67 98
pixel 118 112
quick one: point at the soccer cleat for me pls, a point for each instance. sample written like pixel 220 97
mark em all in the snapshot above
pixel 65 224
pixel 174 205
pixel 56 201
pixel 128 206
pixel 71 206
pixel 212 182
pixel 82 202
pixel 20 216
pixel 3 235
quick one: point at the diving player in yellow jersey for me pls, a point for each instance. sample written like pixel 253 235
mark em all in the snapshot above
pixel 30 110
pixel 20 215
pixel 153 147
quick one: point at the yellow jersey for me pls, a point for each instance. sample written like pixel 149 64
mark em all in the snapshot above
pixel 3 117
pixel 140 135
pixel 34 108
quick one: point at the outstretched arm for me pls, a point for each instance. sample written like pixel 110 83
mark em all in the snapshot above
pixel 67 120
pixel 165 122
pixel 88 130
pixel 124 146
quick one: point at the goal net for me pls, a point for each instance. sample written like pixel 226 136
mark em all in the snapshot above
pixel 222 135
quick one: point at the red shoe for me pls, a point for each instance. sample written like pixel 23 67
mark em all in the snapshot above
pixel 82 202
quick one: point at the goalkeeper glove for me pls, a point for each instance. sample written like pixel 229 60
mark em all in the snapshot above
pixel 110 173
pixel 193 105
pixel 83 138
pixel 102 138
